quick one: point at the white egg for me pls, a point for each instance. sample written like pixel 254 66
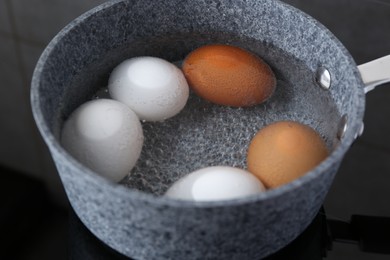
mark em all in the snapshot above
pixel 106 136
pixel 152 87
pixel 215 183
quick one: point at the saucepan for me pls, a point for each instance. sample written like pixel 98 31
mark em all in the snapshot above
pixel 318 83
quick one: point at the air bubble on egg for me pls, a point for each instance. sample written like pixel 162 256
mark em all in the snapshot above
pixel 106 136
pixel 153 88
pixel 215 183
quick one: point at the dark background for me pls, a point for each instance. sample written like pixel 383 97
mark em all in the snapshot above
pixel 34 209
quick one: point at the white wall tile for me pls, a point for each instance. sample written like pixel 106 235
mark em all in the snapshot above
pixel 5 26
pixel 41 20
pixel 18 135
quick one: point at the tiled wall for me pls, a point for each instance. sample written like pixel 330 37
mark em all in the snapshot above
pixel 26 27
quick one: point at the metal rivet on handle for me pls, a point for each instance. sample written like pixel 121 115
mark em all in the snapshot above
pixel 361 130
pixel 323 78
pixel 342 127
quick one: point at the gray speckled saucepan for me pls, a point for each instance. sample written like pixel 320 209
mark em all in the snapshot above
pixel 132 217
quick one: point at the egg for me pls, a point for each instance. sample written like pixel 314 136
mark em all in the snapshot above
pixel 153 88
pixel 215 183
pixel 284 151
pixel 228 75
pixel 106 136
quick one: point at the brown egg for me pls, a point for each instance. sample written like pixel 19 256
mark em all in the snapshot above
pixel 284 151
pixel 228 75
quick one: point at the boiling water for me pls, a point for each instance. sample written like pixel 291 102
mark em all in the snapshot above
pixel 204 134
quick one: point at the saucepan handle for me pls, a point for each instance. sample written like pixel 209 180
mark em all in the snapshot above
pixel 375 73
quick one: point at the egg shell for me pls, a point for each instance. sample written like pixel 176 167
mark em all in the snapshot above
pixel 284 151
pixel 153 88
pixel 106 136
pixel 228 75
pixel 215 183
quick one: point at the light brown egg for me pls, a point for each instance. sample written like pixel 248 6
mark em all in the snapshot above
pixel 228 75
pixel 284 151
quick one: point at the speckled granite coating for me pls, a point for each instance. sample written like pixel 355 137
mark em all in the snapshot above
pixel 132 218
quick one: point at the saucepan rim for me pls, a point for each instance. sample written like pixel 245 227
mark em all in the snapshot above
pixel 55 147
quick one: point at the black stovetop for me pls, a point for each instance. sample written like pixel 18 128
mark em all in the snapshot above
pixel 27 215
